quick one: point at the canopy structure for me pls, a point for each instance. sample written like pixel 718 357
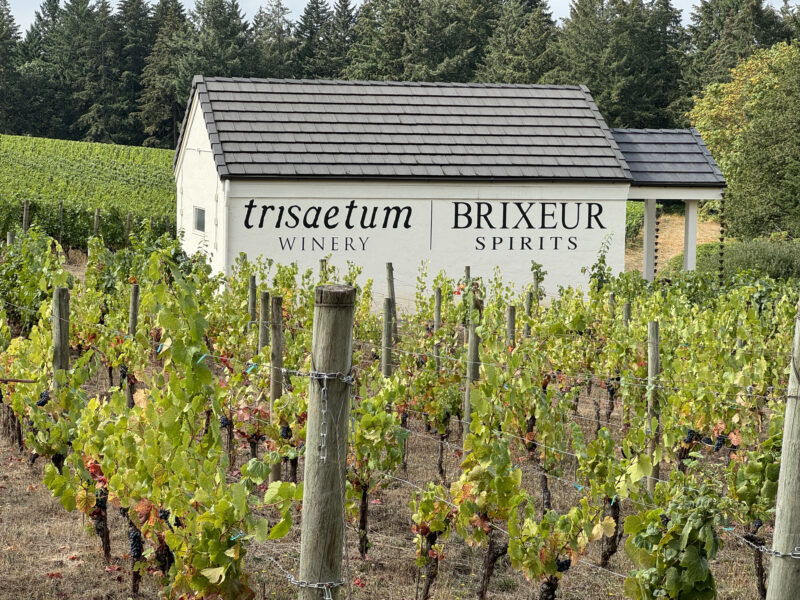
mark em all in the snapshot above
pixel 669 164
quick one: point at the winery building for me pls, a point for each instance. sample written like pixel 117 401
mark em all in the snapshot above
pixel 445 174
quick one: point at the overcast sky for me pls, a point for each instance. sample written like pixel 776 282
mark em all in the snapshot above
pixel 24 9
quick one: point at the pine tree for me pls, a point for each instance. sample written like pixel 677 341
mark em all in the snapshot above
pixel 521 47
pixel 137 39
pixel 98 85
pixel 274 43
pixel 725 31
pixel 450 40
pixel 339 37
pixel 9 80
pixel 161 105
pixel 312 33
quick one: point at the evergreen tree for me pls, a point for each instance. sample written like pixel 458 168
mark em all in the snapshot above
pixel 9 81
pixel 450 40
pixel 161 105
pixel 339 37
pixel 312 38
pixel 275 46
pixel 220 45
pixel 521 47
pixel 137 39
pixel 725 31
pixel 381 45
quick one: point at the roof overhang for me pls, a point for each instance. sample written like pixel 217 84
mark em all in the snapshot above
pixel 684 193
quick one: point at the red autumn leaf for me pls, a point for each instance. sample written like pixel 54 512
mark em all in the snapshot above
pixel 54 575
pixel 113 568
pixel 358 582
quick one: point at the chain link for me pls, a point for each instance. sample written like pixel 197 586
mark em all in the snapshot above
pixel 325 586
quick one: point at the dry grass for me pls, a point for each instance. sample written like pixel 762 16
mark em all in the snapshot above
pixel 671 234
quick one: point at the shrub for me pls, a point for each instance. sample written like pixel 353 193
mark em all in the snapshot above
pixel 777 258
pixel 634 219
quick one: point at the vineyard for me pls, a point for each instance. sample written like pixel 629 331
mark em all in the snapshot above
pixel 488 443
pixel 66 182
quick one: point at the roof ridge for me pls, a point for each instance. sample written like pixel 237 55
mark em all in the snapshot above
pixel 604 127
pixel 365 82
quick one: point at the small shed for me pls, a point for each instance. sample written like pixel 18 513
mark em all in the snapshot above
pixel 448 175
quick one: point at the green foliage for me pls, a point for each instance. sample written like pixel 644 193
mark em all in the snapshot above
pixel 634 219
pixel 765 257
pixel 119 180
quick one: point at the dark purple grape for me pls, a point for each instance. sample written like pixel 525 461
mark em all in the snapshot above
pixel 163 514
pixel 720 441
pixel 689 436
pixel 708 441
pixel 224 422
pixel 44 398
pixel 563 564
pixel 136 543
pixel 286 432
pixel 123 373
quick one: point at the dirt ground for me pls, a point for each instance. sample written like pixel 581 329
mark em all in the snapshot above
pixel 48 554
pixel 671 233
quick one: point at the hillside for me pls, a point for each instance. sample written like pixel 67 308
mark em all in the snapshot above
pixel 85 176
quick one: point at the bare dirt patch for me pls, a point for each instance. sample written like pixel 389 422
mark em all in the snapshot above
pixel 671 234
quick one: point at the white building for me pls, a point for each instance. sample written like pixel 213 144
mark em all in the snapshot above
pixel 450 174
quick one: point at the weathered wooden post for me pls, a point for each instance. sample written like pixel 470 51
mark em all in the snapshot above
pixel 252 295
pixel 653 369
pixel 263 322
pixel 10 238
pixel 96 221
pixel 323 270
pixel 472 367
pixel 626 315
pixel 60 332
pixel 437 325
pixel 276 366
pixel 784 574
pixel 511 326
pixel 386 339
pixel 390 284
pixel 26 216
pixel 322 530
pixel 612 303
pixel 133 319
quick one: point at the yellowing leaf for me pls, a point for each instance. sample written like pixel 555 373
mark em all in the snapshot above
pixel 215 575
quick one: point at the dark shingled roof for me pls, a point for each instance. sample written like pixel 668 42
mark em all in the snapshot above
pixel 288 128
pixel 668 157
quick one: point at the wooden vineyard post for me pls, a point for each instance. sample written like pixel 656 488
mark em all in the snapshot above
pixel 128 228
pixel 626 315
pixel 276 369
pixel 322 531
pixel 653 369
pixel 386 339
pixel 526 331
pixel 464 295
pixel 612 303
pixel 96 221
pixel 437 325
pixel 536 291
pixel 252 295
pixel 133 319
pixel 26 216
pixel 472 368
pixel 323 270
pixel 784 575
pixel 511 325
pixel 393 297
pixel 9 238
pixel 263 322
pixel 60 331
pixel 61 223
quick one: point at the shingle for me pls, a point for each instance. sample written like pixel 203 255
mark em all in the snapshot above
pixel 668 157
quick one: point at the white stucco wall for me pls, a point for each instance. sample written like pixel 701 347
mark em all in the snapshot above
pixel 198 185
pixel 448 224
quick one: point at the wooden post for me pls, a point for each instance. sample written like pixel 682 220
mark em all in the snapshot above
pixel 128 228
pixel 784 574
pixel 26 216
pixel 526 331
pixel 251 299
pixel 536 290
pixel 626 314
pixel 263 322
pixel 322 530
pixel 612 303
pixel 386 339
pixel 323 270
pixel 96 221
pixel 61 223
pixel 464 295
pixel 511 326
pixel 653 369
pixel 133 319
pixel 9 238
pixel 60 331
pixel 276 366
pixel 472 369
pixel 390 283
pixel 437 325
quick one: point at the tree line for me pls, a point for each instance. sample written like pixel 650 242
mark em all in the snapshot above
pixel 89 71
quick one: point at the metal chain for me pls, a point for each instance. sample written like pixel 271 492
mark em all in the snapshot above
pixel 764 550
pixel 325 586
